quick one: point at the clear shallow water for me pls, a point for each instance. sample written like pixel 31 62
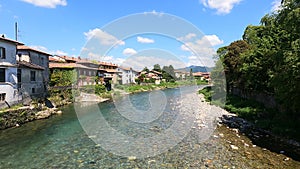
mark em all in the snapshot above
pixel 60 142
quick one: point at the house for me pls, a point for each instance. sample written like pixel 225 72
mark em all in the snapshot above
pixel 33 70
pixel 151 76
pixel 109 72
pixel 88 72
pixel 181 75
pixel 202 75
pixel 126 75
pixel 9 93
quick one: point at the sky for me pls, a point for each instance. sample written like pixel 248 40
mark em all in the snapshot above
pixel 134 33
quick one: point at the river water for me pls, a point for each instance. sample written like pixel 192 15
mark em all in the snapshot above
pixel 67 141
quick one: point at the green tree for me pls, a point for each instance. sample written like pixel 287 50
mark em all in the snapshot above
pixel 156 67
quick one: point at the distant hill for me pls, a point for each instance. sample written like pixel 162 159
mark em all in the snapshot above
pixel 195 69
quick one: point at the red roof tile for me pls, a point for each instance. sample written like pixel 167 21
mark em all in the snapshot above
pixel 23 47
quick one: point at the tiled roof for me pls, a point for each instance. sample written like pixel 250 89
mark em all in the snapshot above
pixel 69 66
pixel 67 58
pixel 7 64
pixel 156 72
pixel 11 41
pixel 23 47
pixel 29 65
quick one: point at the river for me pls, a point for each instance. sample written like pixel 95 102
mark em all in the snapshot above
pixel 79 139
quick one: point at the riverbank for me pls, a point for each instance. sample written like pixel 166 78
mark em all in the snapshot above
pixel 249 118
pixel 14 117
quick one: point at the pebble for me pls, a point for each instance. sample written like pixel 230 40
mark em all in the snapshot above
pixel 131 158
pixel 235 130
pixel 17 125
pixel 151 161
pixel 234 147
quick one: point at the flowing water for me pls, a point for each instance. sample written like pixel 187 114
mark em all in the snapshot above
pixel 61 141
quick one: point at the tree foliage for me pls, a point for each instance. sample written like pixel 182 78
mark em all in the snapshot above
pixel 268 58
pixel 63 77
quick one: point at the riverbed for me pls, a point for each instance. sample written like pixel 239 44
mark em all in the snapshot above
pixel 63 141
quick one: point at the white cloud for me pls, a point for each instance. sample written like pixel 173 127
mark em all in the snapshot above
pixel 47 3
pixel 276 5
pixel 222 6
pixel 214 40
pixel 60 53
pixel 201 50
pixel 129 52
pixel 206 41
pixel 139 62
pixel 187 37
pixel 144 40
pixel 153 12
pixel 104 37
pixel 53 52
pixel 194 60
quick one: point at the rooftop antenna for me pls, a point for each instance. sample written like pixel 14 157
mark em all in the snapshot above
pixel 16 31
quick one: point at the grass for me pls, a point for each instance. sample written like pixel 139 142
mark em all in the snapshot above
pixel 279 123
pixel 14 107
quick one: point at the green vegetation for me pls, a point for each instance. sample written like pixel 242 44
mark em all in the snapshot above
pixel 266 118
pixel 63 78
pixel 267 59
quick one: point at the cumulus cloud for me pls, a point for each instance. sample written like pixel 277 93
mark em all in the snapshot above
pixel 214 40
pixel 276 5
pixel 201 50
pixel 187 37
pixel 144 40
pixel 104 37
pixel 47 3
pixel 222 6
pixel 139 62
pixel 129 52
pixel 60 53
pixel 53 52
pixel 200 61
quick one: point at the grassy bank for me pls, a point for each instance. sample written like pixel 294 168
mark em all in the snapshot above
pixel 265 118
pixel 134 88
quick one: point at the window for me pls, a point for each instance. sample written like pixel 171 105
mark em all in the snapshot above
pixel 19 76
pixel 42 61
pixel 32 75
pixel 2 97
pixel 32 90
pixel 2 53
pixel 2 75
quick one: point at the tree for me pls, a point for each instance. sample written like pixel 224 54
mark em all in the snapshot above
pixel 168 73
pixel 146 69
pixel 156 67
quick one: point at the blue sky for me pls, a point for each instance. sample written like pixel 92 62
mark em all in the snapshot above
pixel 64 27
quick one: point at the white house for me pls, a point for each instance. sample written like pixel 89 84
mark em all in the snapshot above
pixel 9 93
pixel 126 75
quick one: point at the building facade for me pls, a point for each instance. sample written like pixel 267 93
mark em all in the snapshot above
pixel 33 70
pixel 9 93
pixel 126 75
